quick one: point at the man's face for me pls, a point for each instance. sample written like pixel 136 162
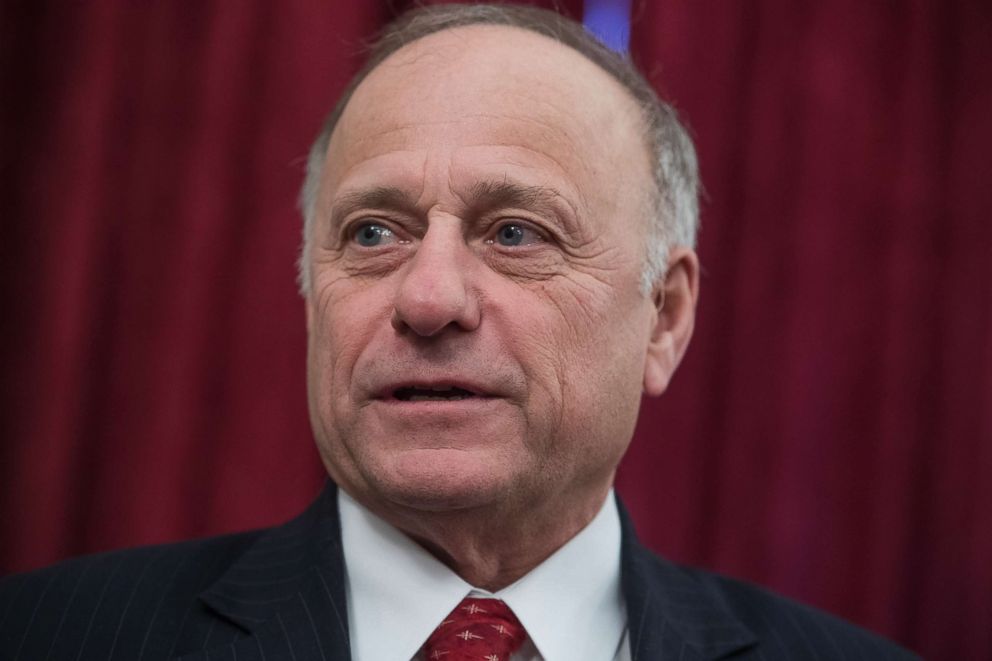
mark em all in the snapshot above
pixel 477 332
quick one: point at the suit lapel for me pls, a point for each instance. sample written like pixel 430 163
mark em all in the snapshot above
pixel 287 591
pixel 670 612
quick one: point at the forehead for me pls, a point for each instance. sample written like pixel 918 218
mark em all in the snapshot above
pixel 519 98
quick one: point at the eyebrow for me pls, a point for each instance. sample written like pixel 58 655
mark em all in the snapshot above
pixel 484 196
pixel 377 197
pixel 543 200
pixel 498 194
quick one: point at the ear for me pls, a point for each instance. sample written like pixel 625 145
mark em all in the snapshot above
pixel 674 297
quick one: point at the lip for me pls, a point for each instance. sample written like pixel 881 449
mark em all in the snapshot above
pixel 459 421
pixel 387 393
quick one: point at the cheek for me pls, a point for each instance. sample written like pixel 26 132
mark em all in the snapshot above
pixel 346 316
pixel 570 339
pixel 591 337
pixel 593 319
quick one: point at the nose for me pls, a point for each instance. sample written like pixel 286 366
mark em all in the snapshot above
pixel 436 291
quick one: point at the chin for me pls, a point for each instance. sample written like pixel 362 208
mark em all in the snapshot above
pixel 443 480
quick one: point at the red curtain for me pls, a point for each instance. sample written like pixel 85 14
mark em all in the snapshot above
pixel 829 435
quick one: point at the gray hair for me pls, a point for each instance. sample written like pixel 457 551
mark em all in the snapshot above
pixel 676 204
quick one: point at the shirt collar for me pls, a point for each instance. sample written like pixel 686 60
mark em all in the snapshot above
pixel 571 604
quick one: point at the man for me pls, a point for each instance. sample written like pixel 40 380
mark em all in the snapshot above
pixel 497 262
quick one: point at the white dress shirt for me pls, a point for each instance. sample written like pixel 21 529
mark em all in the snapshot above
pixel 571 604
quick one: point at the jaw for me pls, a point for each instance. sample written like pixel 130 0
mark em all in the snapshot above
pixel 489 544
pixel 442 454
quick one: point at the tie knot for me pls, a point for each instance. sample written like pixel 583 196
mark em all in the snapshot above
pixel 477 630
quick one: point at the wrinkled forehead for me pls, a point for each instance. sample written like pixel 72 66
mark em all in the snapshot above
pixel 500 85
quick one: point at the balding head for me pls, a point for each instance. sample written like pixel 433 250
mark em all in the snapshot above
pixel 479 331
pixel 673 216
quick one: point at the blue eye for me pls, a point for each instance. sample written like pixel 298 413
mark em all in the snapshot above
pixel 510 235
pixel 371 235
pixel 513 234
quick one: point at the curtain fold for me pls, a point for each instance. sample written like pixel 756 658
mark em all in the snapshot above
pixel 829 434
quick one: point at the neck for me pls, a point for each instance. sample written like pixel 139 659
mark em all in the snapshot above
pixel 493 547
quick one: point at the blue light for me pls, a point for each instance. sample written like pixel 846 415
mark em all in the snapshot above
pixel 609 20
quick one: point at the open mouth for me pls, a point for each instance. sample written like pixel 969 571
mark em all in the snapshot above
pixel 433 394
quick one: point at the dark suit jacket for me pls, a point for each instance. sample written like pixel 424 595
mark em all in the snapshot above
pixel 280 594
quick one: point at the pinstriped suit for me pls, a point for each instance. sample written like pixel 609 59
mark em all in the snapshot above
pixel 280 594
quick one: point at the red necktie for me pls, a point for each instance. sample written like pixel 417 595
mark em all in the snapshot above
pixel 477 630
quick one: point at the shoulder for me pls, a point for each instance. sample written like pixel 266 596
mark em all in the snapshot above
pixel 138 599
pixel 675 608
pixel 788 629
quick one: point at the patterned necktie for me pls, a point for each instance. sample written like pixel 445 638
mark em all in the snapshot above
pixel 477 630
